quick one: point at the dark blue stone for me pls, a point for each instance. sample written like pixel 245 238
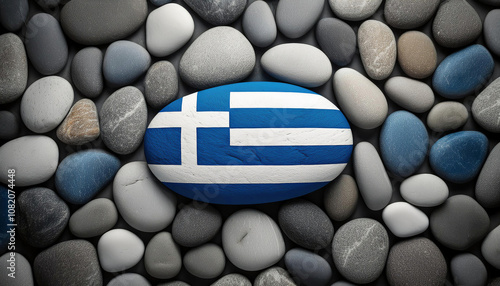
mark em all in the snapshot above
pixel 458 157
pixel 308 267
pixel 81 175
pixel 463 72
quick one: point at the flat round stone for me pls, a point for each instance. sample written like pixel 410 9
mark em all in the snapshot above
pixel 297 261
pixel 491 247
pixel 124 62
pixel 22 273
pixel 337 40
pixel 488 182
pixel 81 125
pixel 162 258
pixel 252 240
pixel 99 23
pixel 361 100
pixel 491 31
pixel 341 198
pixel 45 103
pixel 297 63
pixel 14 68
pixel 409 14
pixel 424 190
pixel 377 48
pixel 413 95
pixel 274 276
pixel 45 44
pixel 485 107
pixel 86 71
pixel 467 269
pixel 259 25
pixel 218 12
pixel 13 15
pixel 161 84
pixel 463 72
pixel 404 220
pixel 119 249
pixel 458 157
pixel 417 55
pixel 196 224
pixel 304 138
pixel 354 11
pixel 219 56
pixel 94 218
pixel 295 17
pixel 447 116
pixel 206 261
pixel 459 223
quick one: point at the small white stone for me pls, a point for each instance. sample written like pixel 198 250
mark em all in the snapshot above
pixel 404 220
pixel 45 103
pixel 119 249
pixel 168 28
pixel 413 95
pixel 377 48
pixel 252 240
pixel 424 190
pixel 34 159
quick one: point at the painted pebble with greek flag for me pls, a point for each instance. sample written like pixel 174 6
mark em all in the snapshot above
pixel 248 143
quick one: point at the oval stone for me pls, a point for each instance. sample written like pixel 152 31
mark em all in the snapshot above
pixel 458 157
pixel 161 84
pixel 11 125
pixel 297 63
pixel 124 62
pixel 468 269
pixel 488 183
pixel 206 261
pixel 259 25
pixel 404 220
pixel 413 95
pixel 299 261
pixel 491 31
pixel 296 17
pixel 362 101
pixel 94 218
pixel 354 10
pixel 446 116
pixel 14 68
pixel 486 107
pixel 162 258
pixel 403 143
pixel 86 71
pixel 409 14
pixel 129 279
pixel 417 55
pixel 81 125
pixel 463 72
pixel 337 40
pixel 97 22
pixel 248 143
pixel 424 190
pixel 377 48
pixel 491 247
pixel 341 198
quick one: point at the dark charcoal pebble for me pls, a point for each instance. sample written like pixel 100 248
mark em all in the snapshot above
pixel 469 270
pixel 409 14
pixel 309 268
pixel 10 125
pixel 42 216
pixel 196 224
pixel 13 14
pixel 45 44
pixel 86 71
pixel 416 262
pixel 459 222
pixel 305 224
pixel 218 12
pixel 337 40
pixel 72 262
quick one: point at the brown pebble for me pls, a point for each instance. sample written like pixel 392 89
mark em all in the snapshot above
pixel 81 125
pixel 416 54
pixel 341 198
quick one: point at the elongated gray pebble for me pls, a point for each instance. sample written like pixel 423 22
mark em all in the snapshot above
pixel 341 198
pixel 162 257
pixel 259 25
pixel 296 17
pixel 161 84
pixel 86 71
pixel 424 190
pixel 206 261
pixel 94 218
pixel 377 48
pixel 196 224
pixel 488 183
pixel 413 95
pixel 486 107
pixel 447 116
pixel 491 28
pixel 14 68
pixel 491 247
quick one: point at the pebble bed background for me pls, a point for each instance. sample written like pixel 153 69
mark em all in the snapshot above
pixel 271 209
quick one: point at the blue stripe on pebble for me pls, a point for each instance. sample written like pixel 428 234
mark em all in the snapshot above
pixel 163 146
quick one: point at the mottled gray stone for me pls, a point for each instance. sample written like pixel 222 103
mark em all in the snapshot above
pixel 488 183
pixel 45 44
pixel 491 247
pixel 377 48
pixel 22 275
pixel 417 261
pixel 97 22
pixel 232 280
pixel 467 269
pixel 162 258
pixel 86 71
pixel 14 68
pixel 220 55
pixel 206 261
pixel 259 25
pixel 196 224
pixel 337 40
pixel 309 268
pixel 296 17
pixel 42 216
pixel 94 218
pixel 305 224
pixel 68 263
pixel 492 31
pixel 456 24
pixel 459 223
pixel 10 125
pixel 124 62
pixel 354 10
pixel 218 12
pixel 409 14
pixel 341 198
pixel 275 276
pixel 123 118
pixel 486 107
pixel 129 279
pixel 13 14
pixel 161 84
pixel 447 116
pixel 360 250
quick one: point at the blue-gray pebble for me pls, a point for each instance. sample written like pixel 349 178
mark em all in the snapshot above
pixel 124 62
pixel 463 72
pixel 403 143
pixel 86 71
pixel 467 269
pixel 337 40
pixel 81 175
pixel 218 12
pixel 45 44
pixel 13 14
pixel 308 267
pixel 458 157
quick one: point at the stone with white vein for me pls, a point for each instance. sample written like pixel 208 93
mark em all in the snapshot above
pixel 377 48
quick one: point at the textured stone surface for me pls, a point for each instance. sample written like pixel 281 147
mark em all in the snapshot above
pixel 337 40
pixel 232 280
pixel 196 224
pixel 486 107
pixel 10 127
pixel 14 68
pixel 296 17
pixel 259 25
pixel 491 31
pixel 274 276
pixel 424 190
pixel 123 118
pixel 409 14
pixel 459 223
pixel 124 62
pixel 487 189
pixel 404 220
pixel 417 55
pixel 206 261
pixel 161 84
pixel 119 249
pixel 341 198
pixel 68 263
pixel 377 48
pixel 81 125
pixel 129 279
pixel 297 262
pixel 86 71
pixel 491 247
pixel 97 23
pixel 219 56
pixel 413 95
pixel 360 250
pixel 218 12
pixel 416 261
pixel 13 14
pixel 447 116
pixel 22 270
pixel 94 218
pixel 297 63
pixel 467 269
pixel 162 258
pixel 354 11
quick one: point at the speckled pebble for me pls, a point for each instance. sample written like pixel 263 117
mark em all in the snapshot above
pixel 233 279
pixel 341 198
pixel 218 12
pixel 417 55
pixel 486 107
pixel 377 48
pixel 409 14
pixel 195 224
pixel 446 116
pixel 161 84
pixel 14 68
pixel 275 276
pixel 354 11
